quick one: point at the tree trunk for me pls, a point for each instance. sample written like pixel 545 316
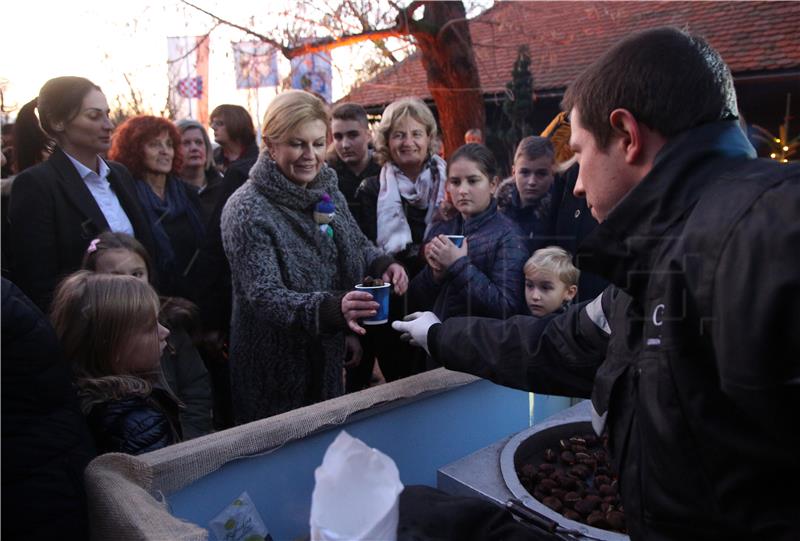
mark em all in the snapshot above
pixel 449 61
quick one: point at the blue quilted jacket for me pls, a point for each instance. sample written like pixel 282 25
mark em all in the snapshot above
pixel 488 281
pixel 135 424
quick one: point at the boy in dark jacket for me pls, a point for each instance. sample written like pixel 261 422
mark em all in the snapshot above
pixel 352 158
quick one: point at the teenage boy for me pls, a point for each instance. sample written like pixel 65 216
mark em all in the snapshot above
pixel 692 355
pixel 353 160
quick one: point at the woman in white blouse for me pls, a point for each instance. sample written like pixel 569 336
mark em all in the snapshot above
pixel 58 206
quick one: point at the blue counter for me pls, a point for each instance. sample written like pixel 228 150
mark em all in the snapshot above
pixel 421 434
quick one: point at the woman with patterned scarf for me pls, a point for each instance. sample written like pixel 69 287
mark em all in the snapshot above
pixel 398 208
pixel 400 203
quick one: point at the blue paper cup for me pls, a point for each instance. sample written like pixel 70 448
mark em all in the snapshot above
pixel 380 294
pixel 458 240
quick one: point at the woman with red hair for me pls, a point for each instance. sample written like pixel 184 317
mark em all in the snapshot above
pixel 150 147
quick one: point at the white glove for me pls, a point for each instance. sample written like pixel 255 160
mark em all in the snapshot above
pixel 415 328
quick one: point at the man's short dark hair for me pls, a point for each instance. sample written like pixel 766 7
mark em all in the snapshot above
pixel 670 80
pixel 350 111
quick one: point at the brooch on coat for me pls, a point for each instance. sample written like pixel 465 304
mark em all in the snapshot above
pixel 323 214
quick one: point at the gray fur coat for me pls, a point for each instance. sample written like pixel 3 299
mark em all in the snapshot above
pixel 287 280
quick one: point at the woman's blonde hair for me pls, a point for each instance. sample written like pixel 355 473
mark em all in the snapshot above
pixel 556 260
pixel 290 109
pixel 94 315
pixel 394 112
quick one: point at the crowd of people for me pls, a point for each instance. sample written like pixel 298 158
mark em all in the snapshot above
pixel 191 287
pixel 258 298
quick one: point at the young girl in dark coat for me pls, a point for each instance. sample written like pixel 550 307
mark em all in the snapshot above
pixel 108 327
pixel 482 277
pixel 181 364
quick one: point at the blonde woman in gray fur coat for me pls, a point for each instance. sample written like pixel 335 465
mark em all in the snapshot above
pixel 295 318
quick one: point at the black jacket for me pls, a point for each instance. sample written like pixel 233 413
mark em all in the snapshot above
pixel 349 183
pixel 187 377
pixel 135 424
pixel 46 444
pixel 214 293
pixel 700 385
pixel 367 196
pixel 54 217
pixel 209 193
pixel 572 222
pixel 535 221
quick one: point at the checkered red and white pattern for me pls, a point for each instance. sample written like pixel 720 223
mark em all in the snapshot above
pixel 190 87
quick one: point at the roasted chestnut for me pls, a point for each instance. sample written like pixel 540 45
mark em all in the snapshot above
pixel 553 503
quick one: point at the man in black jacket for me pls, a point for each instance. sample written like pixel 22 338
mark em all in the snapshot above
pixel 692 355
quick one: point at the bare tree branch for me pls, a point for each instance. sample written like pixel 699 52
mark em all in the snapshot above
pixel 327 44
pixel 239 27
pixel 315 46
pixel 136 99
pixel 447 25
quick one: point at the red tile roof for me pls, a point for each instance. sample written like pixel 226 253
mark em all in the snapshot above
pixel 564 37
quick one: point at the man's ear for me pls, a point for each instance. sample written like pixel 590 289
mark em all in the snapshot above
pixel 570 293
pixel 630 134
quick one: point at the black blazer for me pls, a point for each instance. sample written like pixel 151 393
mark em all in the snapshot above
pixel 572 221
pixel 53 218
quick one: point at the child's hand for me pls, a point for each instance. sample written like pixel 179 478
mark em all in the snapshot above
pixel 442 252
pixel 437 271
pixel 396 275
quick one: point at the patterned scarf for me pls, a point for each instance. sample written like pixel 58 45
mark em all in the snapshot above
pixel 426 192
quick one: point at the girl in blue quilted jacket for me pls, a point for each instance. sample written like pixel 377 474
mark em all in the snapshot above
pixel 483 276
pixel 108 327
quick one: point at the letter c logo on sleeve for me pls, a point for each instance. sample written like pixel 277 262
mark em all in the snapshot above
pixel 658 314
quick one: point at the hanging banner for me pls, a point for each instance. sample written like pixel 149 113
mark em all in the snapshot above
pixel 187 69
pixel 256 64
pixel 313 72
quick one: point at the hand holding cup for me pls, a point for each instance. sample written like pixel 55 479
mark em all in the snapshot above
pixel 443 252
pixel 357 305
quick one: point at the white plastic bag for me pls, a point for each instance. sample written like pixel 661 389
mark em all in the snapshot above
pixel 356 493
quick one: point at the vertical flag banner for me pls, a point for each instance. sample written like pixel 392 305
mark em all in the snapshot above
pixel 187 66
pixel 256 64
pixel 313 72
